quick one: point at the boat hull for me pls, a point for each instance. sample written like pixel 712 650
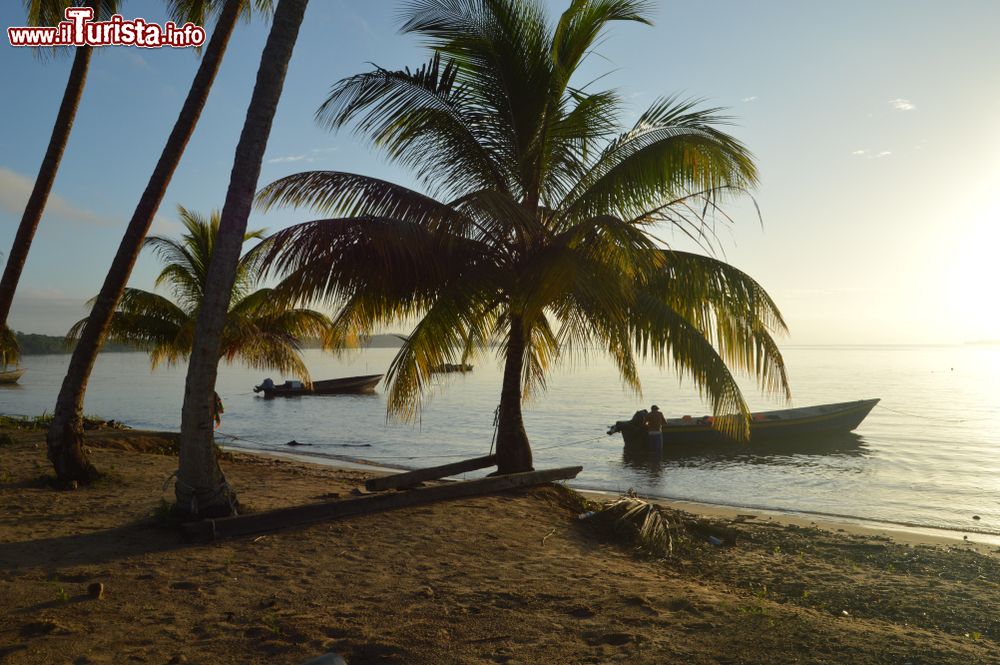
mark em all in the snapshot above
pixel 351 385
pixel 765 428
pixel 11 376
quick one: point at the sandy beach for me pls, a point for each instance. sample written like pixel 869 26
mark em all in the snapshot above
pixel 513 578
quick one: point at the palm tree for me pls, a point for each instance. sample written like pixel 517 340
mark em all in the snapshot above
pixel 45 13
pixel 261 330
pixel 201 488
pixel 65 434
pixel 538 234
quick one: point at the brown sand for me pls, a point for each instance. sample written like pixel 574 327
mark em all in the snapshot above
pixel 515 578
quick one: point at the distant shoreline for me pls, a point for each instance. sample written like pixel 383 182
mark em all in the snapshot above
pixel 33 344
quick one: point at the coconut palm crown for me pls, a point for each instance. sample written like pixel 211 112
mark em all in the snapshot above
pixel 535 234
pixel 262 330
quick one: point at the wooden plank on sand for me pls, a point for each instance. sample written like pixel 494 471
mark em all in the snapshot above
pixel 272 520
pixel 410 478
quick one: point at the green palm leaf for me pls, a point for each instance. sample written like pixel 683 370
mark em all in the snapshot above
pixel 263 330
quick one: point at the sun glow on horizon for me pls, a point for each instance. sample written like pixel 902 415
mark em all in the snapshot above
pixel 970 278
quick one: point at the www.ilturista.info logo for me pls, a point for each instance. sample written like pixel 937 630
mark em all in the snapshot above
pixel 79 29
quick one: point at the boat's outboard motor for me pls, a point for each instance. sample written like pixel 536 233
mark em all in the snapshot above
pixel 637 422
pixel 268 384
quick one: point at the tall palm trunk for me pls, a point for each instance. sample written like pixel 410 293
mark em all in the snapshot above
pixel 201 488
pixel 43 183
pixel 65 434
pixel 513 449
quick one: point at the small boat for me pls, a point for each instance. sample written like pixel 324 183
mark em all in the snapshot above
pixel 11 376
pixel 765 426
pixel 347 385
pixel 448 368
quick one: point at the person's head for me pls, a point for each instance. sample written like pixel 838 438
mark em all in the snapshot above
pixel 655 408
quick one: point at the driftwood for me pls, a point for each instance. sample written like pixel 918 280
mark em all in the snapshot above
pixel 410 478
pixel 273 520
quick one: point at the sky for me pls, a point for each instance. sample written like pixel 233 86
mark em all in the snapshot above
pixel 876 128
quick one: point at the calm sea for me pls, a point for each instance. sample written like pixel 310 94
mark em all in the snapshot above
pixel 927 456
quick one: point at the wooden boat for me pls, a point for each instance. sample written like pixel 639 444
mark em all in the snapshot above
pixel 11 376
pixel 765 426
pixel 347 385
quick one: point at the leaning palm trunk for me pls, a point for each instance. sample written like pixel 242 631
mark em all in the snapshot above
pixel 201 488
pixel 65 434
pixel 43 183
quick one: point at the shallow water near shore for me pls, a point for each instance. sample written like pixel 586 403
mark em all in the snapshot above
pixel 927 456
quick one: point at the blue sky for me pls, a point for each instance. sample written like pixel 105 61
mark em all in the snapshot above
pixel 875 125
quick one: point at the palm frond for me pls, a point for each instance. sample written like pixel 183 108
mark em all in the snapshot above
pixel 342 194
pixel 672 150
pixel 10 349
pixel 642 523
pixel 582 23
pixel 422 119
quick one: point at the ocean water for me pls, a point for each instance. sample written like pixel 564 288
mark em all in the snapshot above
pixel 927 456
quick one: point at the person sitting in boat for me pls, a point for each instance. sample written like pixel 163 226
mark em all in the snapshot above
pixel 654 426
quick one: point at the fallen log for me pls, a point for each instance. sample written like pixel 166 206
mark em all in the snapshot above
pixel 410 478
pixel 272 520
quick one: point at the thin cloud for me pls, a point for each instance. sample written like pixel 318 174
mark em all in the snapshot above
pixel 901 104
pixel 747 100
pixel 871 154
pixel 15 190
pixel 315 154
pixel 137 60
pixel 287 158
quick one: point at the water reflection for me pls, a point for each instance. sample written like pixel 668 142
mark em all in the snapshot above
pixel 788 452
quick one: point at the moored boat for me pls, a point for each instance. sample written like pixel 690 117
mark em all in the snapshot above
pixel 11 376
pixel 347 385
pixel 765 426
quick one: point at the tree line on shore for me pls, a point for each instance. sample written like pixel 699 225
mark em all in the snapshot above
pixel 536 232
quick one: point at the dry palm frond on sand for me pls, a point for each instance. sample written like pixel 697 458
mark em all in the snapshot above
pixel 645 524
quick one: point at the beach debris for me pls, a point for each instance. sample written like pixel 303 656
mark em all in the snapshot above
pixel 96 591
pixel 546 536
pixel 976 517
pixel 712 533
pixel 587 515
pixel 642 522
